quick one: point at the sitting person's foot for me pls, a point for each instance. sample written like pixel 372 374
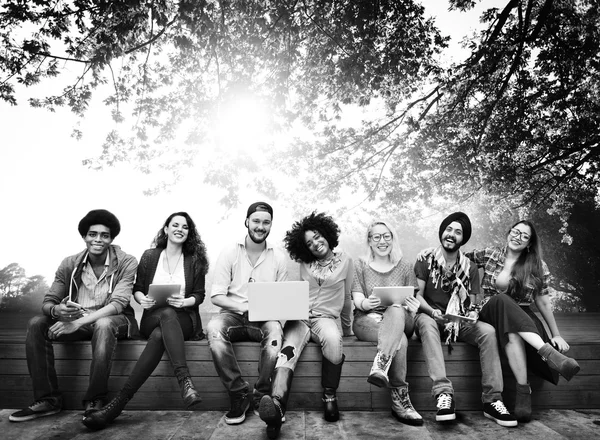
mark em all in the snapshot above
pixel 99 419
pixel 445 405
pixel 39 408
pixel 497 412
pixel 273 414
pixel 92 406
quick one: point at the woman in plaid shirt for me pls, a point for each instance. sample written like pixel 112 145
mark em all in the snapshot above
pixel 514 276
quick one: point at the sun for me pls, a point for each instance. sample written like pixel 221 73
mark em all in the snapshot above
pixel 242 123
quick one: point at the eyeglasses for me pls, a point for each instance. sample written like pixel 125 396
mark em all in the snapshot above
pixel 377 237
pixel 522 235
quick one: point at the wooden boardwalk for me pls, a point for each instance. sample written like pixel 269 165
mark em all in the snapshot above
pixel 305 425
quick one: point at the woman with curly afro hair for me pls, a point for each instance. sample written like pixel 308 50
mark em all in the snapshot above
pixel 311 242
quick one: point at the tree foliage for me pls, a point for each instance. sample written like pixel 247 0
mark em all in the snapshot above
pixel 175 67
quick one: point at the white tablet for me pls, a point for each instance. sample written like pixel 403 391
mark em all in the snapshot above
pixel 393 294
pixel 458 318
pixel 160 292
pixel 278 301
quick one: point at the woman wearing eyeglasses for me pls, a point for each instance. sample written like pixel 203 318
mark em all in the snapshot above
pixel 390 326
pixel 514 276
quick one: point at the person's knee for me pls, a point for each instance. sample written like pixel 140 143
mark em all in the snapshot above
pixel 37 322
pixel 105 328
pixel 273 332
pixel 216 330
pixel 167 313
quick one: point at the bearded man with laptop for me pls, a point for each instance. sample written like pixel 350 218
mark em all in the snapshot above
pixel 249 260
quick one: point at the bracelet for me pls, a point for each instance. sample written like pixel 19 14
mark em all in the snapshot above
pixel 52 315
pixel 362 306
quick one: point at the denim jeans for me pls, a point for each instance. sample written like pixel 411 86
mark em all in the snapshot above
pixel 390 334
pixel 166 329
pixel 228 327
pixel 296 335
pixel 428 331
pixel 104 334
pixel 483 336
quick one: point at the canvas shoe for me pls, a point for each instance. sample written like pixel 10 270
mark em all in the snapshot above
pixel 239 405
pixel 497 412
pixel 39 408
pixel 445 405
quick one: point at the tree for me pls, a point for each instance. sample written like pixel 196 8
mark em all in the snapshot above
pixel 178 65
pixel 518 118
pixel 12 278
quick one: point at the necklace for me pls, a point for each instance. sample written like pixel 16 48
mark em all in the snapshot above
pixel 169 266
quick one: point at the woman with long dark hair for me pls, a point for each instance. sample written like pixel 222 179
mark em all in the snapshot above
pixel 311 242
pixel 514 276
pixel 178 257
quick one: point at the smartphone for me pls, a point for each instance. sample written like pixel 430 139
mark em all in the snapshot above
pixel 74 304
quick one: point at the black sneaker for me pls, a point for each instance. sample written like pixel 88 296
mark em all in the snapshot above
pixel 497 412
pixel 39 408
pixel 239 405
pixel 445 405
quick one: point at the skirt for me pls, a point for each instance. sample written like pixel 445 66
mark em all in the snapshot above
pixel 506 316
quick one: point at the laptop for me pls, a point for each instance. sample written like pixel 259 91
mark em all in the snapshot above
pixel 393 294
pixel 278 301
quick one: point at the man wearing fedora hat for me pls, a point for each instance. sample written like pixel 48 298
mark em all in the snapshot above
pixel 89 299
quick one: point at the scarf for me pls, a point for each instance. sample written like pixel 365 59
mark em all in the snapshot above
pixel 455 282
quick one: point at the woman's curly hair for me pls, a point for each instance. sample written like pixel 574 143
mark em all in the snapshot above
pixel 193 246
pixel 295 242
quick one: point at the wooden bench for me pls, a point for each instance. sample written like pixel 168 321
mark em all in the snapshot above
pixel 161 391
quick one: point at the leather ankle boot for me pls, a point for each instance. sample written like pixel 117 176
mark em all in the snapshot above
pixel 523 403
pixel 99 419
pixel 330 406
pixel 330 380
pixel 566 366
pixel 188 392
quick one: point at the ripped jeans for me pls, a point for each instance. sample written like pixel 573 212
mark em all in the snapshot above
pixel 296 335
pixel 228 327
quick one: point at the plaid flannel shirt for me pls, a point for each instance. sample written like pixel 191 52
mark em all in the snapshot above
pixel 491 259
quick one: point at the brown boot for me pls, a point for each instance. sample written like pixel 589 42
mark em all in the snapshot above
pixel 566 366
pixel 523 403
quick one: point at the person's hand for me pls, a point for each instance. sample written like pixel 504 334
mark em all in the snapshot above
pixel 424 254
pixel 560 344
pixel 412 304
pixel 370 303
pixel 438 316
pixel 146 302
pixel 176 300
pixel 61 328
pixel 472 314
pixel 64 312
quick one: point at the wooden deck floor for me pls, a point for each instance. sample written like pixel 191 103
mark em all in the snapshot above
pixel 305 425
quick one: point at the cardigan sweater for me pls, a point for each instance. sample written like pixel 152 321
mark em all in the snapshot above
pixel 194 274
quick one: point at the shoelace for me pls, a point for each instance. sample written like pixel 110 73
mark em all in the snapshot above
pixel 93 403
pixel 444 401
pixel 36 403
pixel 499 406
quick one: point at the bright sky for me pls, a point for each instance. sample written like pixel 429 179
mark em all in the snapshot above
pixel 45 190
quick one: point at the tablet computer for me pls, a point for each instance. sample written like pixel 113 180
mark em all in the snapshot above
pixel 393 294
pixel 160 292
pixel 458 318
